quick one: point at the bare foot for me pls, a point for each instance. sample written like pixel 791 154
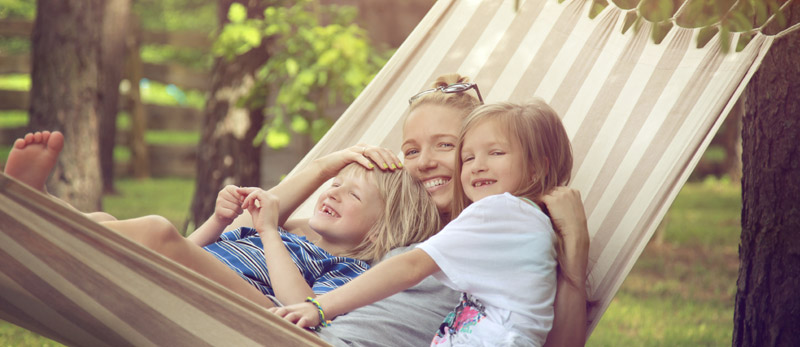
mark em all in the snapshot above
pixel 32 158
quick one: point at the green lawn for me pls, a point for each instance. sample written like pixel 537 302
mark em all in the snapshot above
pixel 679 293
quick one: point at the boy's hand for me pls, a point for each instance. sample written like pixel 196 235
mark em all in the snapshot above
pixel 304 315
pixel 228 205
pixel 263 206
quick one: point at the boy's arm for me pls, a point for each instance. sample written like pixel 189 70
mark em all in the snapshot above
pixel 287 282
pixel 227 207
pixel 569 219
pixel 387 278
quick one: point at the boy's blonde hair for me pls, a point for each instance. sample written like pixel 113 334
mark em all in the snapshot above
pixel 408 214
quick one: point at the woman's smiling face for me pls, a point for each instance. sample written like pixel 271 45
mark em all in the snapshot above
pixel 430 135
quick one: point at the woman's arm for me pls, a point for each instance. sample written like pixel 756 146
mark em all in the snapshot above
pixel 387 278
pixel 293 190
pixel 569 219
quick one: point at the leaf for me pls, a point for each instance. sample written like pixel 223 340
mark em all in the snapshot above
pixel 299 125
pixel 237 13
pixel 705 35
pixel 319 127
pixel 292 67
pixel 724 39
pixel 277 137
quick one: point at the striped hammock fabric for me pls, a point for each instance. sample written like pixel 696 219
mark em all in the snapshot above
pixel 639 115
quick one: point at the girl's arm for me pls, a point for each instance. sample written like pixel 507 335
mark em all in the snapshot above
pixel 226 209
pixel 388 277
pixel 569 219
pixel 288 284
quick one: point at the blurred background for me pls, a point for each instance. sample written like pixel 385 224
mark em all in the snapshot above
pixel 195 94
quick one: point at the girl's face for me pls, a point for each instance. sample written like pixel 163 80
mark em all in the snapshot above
pixel 347 210
pixel 491 162
pixel 430 135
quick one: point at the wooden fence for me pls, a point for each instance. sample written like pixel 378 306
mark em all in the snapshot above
pixel 165 160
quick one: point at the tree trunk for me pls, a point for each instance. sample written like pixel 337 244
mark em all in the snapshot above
pixel 65 51
pixel 767 311
pixel 226 154
pixel 112 48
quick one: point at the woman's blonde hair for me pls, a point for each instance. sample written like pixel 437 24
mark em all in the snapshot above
pixel 408 214
pixel 464 101
pixel 546 150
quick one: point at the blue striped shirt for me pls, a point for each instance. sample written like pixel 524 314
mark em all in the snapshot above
pixel 243 251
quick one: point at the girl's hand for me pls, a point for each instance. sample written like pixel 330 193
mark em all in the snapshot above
pixel 304 315
pixel 263 207
pixel 366 155
pixel 228 205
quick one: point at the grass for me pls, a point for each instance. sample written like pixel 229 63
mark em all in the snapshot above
pixel 679 293
pixel 681 290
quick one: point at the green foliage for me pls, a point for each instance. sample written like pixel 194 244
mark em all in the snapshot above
pixel 312 65
pixel 715 17
pixel 18 9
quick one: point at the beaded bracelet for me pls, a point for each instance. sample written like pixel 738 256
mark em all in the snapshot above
pixel 322 322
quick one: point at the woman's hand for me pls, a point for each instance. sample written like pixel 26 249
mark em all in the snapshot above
pixel 228 205
pixel 363 154
pixel 566 211
pixel 263 207
pixel 304 315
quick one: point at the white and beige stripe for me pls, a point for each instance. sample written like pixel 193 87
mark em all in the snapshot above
pixel 639 116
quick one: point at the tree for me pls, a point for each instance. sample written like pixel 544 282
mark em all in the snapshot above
pixel 767 311
pixel 115 30
pixel 64 81
pixel 226 154
pixel 310 67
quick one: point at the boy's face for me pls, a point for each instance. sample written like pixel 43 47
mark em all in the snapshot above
pixel 491 162
pixel 347 210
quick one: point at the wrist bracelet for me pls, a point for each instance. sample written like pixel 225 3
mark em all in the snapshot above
pixel 322 322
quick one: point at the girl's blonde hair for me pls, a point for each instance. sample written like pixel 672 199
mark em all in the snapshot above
pixel 408 214
pixel 546 150
pixel 464 101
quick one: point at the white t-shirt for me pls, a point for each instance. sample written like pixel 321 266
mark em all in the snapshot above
pixel 501 251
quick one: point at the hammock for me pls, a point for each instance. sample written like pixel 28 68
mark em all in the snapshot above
pixel 639 116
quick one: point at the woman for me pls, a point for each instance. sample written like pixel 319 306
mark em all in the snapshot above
pixel 429 136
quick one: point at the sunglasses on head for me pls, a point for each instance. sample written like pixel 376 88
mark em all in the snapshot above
pixel 453 88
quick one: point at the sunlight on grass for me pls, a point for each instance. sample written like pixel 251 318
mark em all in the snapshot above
pixel 172 137
pixel 15 82
pixel 168 197
pixel 13 119
pixel 681 292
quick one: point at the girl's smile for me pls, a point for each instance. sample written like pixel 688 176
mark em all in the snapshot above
pixel 491 163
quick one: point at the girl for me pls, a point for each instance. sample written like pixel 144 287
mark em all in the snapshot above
pixel 359 218
pixel 499 250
